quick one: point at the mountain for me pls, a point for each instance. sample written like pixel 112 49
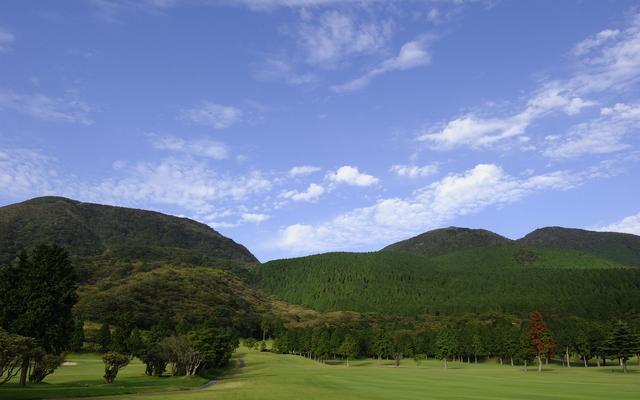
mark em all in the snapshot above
pixel 441 241
pixel 88 229
pixel 622 248
pixel 140 267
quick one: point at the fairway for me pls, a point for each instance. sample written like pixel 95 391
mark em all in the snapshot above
pixel 273 376
pixel 270 376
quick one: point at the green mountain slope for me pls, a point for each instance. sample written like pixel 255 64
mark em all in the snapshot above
pixel 140 267
pixel 441 241
pixel 622 248
pixel 509 278
pixel 123 233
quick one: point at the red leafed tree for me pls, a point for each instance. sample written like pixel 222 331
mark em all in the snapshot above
pixel 541 339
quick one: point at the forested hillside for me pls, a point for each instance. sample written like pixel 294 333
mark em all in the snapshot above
pixel 510 278
pixel 623 248
pixel 138 268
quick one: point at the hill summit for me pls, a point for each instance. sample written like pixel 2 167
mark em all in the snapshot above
pixel 446 240
pixel 88 229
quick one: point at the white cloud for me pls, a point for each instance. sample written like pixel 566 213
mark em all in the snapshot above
pixel 395 218
pixel 254 217
pixel 414 171
pixel 599 136
pixel 199 147
pixel 412 54
pixel 476 132
pixel 313 193
pixel 213 115
pixel 301 170
pixel 6 40
pixel 629 224
pixel 594 41
pixel 352 176
pixel 47 108
pixel 337 35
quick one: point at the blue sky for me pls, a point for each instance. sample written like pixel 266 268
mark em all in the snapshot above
pixel 302 126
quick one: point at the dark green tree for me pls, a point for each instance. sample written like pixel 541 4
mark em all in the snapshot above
pixel 349 348
pixel 76 341
pixel 621 344
pixel 113 362
pixel 215 345
pixel 37 294
pixel 104 338
pixel 446 345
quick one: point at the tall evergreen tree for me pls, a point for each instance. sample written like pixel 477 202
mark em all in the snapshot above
pixel 622 344
pixel 446 345
pixel 349 348
pixel 37 294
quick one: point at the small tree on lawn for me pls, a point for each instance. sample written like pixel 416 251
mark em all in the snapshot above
pixel 525 351
pixel 621 344
pixel 112 364
pixel 445 344
pixel 349 348
pixel 541 340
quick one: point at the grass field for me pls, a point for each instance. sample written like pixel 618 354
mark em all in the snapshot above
pixel 84 378
pixel 270 376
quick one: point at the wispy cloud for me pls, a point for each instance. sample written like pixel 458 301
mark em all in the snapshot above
pixel 609 62
pixel 599 136
pixel 335 35
pixel 412 54
pixel 6 40
pixel 415 171
pixel 280 70
pixel 24 172
pixel 301 170
pixel 198 147
pixel 47 108
pixel 392 219
pixel 213 115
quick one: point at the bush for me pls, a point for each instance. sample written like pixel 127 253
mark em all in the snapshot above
pixel 112 364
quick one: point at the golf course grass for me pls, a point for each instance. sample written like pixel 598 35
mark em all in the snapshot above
pixel 82 376
pixel 272 376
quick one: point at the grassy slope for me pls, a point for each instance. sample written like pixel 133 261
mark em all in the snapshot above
pixel 269 376
pixel 85 379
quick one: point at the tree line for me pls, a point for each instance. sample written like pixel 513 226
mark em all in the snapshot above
pixel 469 340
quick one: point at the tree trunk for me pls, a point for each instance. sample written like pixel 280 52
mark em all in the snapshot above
pixel 476 359
pixel 525 365
pixel 500 360
pixel 585 361
pixel 24 371
pixel 512 361
pixel 624 366
pixel 347 361
pixel 539 364
pixel 568 359
pixel 598 361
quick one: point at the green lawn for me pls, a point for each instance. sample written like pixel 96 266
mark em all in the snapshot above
pixel 269 376
pixel 84 378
